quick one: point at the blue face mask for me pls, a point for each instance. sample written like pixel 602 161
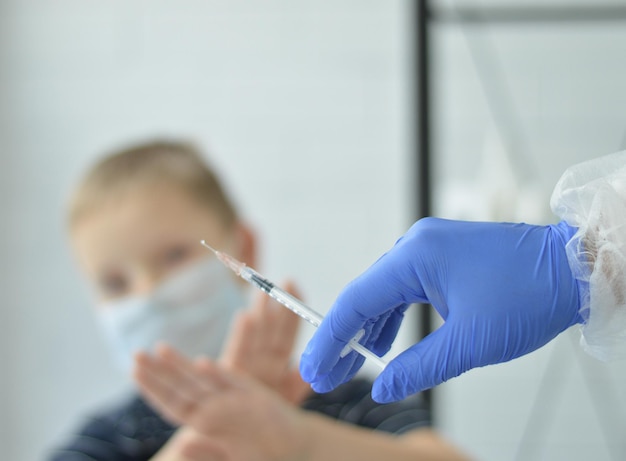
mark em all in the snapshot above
pixel 192 311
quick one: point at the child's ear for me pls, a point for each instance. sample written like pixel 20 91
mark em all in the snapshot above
pixel 246 243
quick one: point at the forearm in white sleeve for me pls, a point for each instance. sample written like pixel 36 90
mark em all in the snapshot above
pixel 592 197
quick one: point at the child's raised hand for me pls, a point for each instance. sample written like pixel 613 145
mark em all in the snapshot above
pixel 260 344
pixel 244 420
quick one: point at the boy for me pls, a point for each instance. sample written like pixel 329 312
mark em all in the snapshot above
pixel 135 223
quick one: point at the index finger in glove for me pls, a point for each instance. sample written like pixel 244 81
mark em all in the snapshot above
pixel 389 283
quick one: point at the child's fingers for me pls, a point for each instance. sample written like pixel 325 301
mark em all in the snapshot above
pixel 210 372
pixel 172 404
pixel 285 325
pixel 261 316
pixel 166 352
pixel 180 373
pixel 241 340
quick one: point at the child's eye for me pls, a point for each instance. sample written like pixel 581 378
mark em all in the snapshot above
pixel 176 255
pixel 113 286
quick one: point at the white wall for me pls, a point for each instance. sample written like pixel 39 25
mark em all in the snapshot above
pixel 301 104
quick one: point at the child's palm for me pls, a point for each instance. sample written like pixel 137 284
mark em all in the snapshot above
pixel 261 343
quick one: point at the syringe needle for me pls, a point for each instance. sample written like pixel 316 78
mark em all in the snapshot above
pixel 206 245
pixel 227 260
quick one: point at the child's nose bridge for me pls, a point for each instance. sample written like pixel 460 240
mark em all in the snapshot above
pixel 146 280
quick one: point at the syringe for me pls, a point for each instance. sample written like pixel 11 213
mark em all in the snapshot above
pixel 290 302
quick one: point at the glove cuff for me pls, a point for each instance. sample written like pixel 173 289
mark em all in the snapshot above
pixel 591 196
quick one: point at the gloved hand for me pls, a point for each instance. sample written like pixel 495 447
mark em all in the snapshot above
pixel 503 290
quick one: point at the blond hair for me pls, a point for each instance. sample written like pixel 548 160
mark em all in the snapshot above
pixel 177 163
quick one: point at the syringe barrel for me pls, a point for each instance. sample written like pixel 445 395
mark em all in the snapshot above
pixel 297 306
pixel 294 304
pixel 256 279
pixel 315 319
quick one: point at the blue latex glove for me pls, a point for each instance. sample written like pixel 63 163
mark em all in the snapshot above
pixel 503 290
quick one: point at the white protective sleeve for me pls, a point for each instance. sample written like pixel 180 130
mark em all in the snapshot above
pixel 592 197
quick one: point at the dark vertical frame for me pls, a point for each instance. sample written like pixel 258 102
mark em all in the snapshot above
pixel 421 45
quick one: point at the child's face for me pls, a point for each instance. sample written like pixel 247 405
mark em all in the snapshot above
pixel 127 247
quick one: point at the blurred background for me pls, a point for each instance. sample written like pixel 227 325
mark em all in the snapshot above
pixel 309 109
